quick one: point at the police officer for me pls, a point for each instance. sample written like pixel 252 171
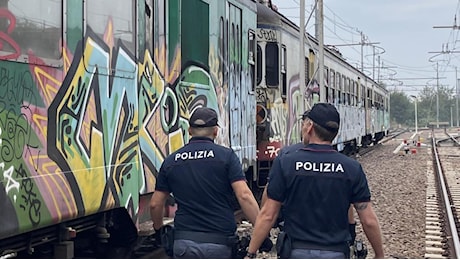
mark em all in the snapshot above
pixel 203 177
pixel 316 184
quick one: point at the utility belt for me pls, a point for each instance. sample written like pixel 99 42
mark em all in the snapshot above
pixel 285 244
pixel 205 237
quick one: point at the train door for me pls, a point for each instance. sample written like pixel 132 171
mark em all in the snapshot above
pixel 234 80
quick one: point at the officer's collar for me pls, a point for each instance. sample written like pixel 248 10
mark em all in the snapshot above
pixel 201 138
pixel 319 147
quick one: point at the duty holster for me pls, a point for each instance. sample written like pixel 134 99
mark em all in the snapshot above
pixel 283 245
pixel 240 247
pixel 167 239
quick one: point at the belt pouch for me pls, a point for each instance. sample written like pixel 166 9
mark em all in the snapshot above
pixel 283 245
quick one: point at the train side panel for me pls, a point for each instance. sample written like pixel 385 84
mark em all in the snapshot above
pixel 280 98
pixel 90 106
pixel 75 139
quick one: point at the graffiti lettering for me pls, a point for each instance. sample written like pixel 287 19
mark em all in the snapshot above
pixel 5 36
pixel 267 35
pixel 11 183
pixel 29 202
pixel 272 151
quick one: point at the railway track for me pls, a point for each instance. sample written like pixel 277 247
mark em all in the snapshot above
pixel 392 135
pixel 443 198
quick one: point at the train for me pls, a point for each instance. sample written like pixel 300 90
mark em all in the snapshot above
pixel 95 94
pixel 363 103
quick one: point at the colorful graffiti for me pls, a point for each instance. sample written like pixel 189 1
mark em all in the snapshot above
pixel 86 142
pixel 282 125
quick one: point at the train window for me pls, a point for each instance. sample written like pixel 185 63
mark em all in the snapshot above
pixel 252 57
pixel 222 47
pixel 283 59
pixel 272 64
pixel 252 46
pixel 283 71
pixel 307 69
pixel 332 84
pixel 326 79
pixel 349 87
pixel 102 15
pixel 112 18
pixel 149 25
pixel 232 45
pixel 338 82
pixel 259 65
pixel 355 93
pixel 369 98
pixel 31 27
pixel 332 79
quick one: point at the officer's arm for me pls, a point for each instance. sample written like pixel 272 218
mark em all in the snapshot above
pixel 246 200
pixel 157 205
pixel 264 223
pixel 264 196
pixel 371 226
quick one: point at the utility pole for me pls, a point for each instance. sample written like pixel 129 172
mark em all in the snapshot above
pixel 362 43
pixel 322 89
pixel 362 46
pixel 416 119
pixel 373 59
pixel 302 47
pixel 454 27
pixel 456 95
pixel 373 62
pixel 437 95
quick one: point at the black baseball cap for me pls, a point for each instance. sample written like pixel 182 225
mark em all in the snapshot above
pixel 203 117
pixel 324 115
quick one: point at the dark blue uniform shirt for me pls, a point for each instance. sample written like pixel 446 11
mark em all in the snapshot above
pixel 316 185
pixel 200 175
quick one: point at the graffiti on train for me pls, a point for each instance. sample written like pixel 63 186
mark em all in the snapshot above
pixel 74 141
pixel 267 35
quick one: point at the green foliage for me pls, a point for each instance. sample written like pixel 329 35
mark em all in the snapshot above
pixel 401 110
pixel 430 106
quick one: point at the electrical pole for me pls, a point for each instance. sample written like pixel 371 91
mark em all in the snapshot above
pixel 454 27
pixel 437 95
pixel 362 46
pixel 322 89
pixel 456 94
pixel 416 119
pixel 362 43
pixel 302 47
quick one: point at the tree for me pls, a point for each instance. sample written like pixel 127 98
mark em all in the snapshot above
pixel 428 105
pixel 401 109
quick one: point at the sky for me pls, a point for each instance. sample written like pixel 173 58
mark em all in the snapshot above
pixel 402 32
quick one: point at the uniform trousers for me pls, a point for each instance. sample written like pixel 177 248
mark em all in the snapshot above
pixel 316 254
pixel 190 249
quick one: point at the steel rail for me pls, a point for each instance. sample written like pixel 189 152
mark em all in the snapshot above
pixel 445 196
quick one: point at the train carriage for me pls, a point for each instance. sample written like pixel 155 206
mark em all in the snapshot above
pixel 95 94
pixel 281 99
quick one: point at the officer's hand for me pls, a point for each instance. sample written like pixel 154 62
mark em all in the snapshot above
pixel 352 229
pixel 266 245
